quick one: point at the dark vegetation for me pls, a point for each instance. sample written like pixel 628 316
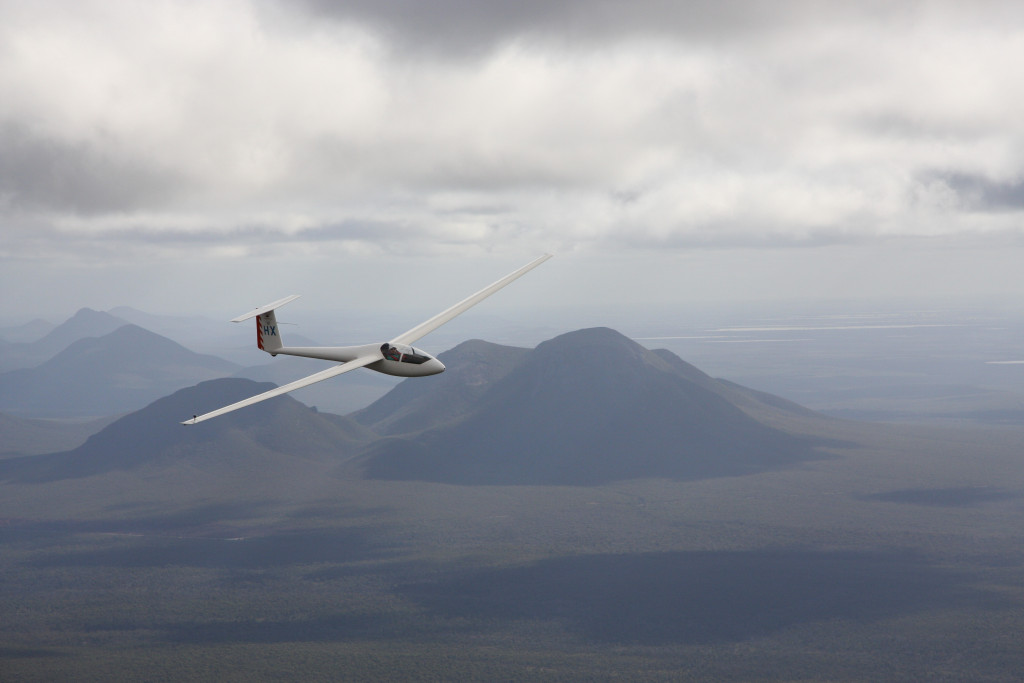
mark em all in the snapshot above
pixel 699 597
pixel 422 589
pixel 958 496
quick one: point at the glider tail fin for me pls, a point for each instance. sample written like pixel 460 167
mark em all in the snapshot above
pixel 268 333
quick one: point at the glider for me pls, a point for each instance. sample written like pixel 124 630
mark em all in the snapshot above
pixel 395 357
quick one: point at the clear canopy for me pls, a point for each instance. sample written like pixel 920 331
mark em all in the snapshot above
pixel 404 354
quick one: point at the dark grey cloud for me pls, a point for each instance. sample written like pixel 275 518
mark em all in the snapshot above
pixel 84 177
pixel 468 27
pixel 980 193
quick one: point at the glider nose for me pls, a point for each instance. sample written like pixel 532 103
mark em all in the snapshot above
pixel 436 366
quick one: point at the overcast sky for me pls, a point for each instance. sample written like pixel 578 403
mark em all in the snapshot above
pixel 182 155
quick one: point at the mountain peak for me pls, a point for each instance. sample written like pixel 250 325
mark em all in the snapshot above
pixel 86 322
pixel 591 336
pixel 587 407
pixel 86 313
pixel 600 347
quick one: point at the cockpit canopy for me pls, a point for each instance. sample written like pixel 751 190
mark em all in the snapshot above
pixel 403 354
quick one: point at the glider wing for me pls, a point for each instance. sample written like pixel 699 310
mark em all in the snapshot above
pixel 298 384
pixel 429 326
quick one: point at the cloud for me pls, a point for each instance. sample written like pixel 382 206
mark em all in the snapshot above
pixel 456 126
pixel 979 193
pixel 461 29
pixel 86 177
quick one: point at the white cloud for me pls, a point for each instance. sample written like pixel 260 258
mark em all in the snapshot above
pixel 180 127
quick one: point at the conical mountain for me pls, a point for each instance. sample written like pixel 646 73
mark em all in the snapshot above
pixel 83 324
pixel 589 407
pixel 118 372
pixel 280 430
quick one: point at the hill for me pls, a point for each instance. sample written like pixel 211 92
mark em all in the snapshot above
pixel 115 373
pixel 585 408
pixel 280 433
pixel 85 323
pixel 27 332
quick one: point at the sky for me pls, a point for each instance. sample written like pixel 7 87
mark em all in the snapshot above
pixel 185 156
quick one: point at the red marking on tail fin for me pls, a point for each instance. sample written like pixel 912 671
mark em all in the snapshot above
pixel 259 332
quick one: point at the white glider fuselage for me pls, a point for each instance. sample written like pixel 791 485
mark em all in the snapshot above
pixel 396 359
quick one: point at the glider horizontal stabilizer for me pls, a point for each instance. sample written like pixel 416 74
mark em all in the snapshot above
pixel 264 309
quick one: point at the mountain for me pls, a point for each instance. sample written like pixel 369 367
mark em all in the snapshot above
pixel 280 434
pixel 762 406
pixel 28 332
pixel 115 373
pixel 204 335
pixel 585 408
pixel 471 368
pixel 162 324
pixel 85 323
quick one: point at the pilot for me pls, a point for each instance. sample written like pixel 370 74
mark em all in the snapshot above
pixel 391 352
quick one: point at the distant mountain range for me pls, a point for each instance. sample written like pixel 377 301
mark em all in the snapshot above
pixel 584 408
pixel 110 374
pixel 199 333
pixel 107 374
pixel 85 323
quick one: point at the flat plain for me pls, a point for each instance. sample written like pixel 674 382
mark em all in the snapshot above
pixel 898 559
